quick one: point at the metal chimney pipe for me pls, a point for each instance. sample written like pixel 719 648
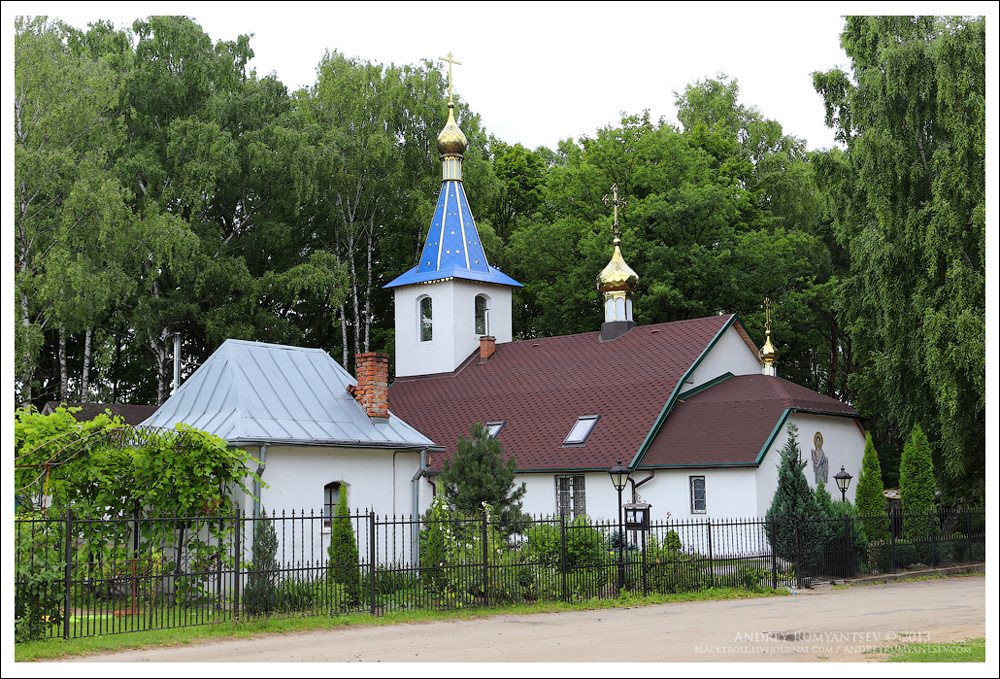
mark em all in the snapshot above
pixel 177 361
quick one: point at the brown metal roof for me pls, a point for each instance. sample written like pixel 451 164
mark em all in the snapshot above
pixel 130 414
pixel 541 387
pixel 730 422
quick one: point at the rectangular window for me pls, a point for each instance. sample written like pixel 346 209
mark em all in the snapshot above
pixel 493 428
pixel 581 430
pixel 698 502
pixel 571 496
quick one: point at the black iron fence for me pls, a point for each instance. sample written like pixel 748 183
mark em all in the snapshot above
pixel 77 576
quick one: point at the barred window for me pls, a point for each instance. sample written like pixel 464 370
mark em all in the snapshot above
pixel 571 495
pixel 699 503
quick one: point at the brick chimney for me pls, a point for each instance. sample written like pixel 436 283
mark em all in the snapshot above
pixel 373 384
pixel 487 347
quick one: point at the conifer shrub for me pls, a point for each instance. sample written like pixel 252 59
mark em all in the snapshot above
pixel 343 567
pixel 795 507
pixel 916 492
pixel 845 550
pixel 869 499
pixel 261 594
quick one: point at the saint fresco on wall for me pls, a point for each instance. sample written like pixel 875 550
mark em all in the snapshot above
pixel 820 464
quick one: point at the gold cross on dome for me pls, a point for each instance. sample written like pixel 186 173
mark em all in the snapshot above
pixel 451 60
pixel 767 315
pixel 614 200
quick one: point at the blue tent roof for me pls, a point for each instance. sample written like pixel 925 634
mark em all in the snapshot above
pixel 249 392
pixel 453 249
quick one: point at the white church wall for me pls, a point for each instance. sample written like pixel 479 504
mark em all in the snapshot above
pixel 454 324
pixel 843 444
pixel 377 481
pixel 729 354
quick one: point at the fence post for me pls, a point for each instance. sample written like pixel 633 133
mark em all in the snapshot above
pixel 968 533
pixel 68 572
pixel 850 557
pixel 798 549
pixel 932 522
pixel 562 555
pixel 238 558
pixel 486 565
pixel 645 586
pixel 711 558
pixel 774 554
pixel 892 538
pixel 371 562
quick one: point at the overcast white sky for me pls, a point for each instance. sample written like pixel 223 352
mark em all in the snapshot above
pixel 541 72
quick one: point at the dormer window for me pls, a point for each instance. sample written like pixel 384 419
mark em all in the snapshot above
pixel 581 430
pixel 426 320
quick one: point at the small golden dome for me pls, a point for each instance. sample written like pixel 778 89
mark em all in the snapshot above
pixel 768 353
pixel 452 140
pixel 617 275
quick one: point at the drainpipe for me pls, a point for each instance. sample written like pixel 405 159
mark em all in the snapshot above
pixel 262 456
pixel 636 485
pixel 415 535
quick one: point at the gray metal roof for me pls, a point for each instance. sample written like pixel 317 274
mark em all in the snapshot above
pixel 250 392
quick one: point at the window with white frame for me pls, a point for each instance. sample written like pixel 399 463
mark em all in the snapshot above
pixel 581 430
pixel 571 495
pixel 493 428
pixel 482 315
pixel 426 319
pixel 698 500
pixel 331 498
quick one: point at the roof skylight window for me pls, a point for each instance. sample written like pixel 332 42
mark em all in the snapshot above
pixel 581 430
pixel 493 428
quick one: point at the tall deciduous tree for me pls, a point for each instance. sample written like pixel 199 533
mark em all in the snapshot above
pixel 67 205
pixel 911 205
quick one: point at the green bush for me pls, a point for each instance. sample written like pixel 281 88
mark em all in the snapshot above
pixel 261 595
pixel 39 568
pixel 916 493
pixel 584 544
pixel 343 566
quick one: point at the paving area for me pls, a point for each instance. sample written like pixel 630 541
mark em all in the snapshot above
pixel 825 624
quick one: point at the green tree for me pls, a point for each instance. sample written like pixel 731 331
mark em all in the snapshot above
pixel 481 474
pixel 869 494
pixel 917 491
pixel 343 567
pixel 69 224
pixel 260 595
pixel 910 205
pixel 796 522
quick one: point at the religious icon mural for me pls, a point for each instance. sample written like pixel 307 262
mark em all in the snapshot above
pixel 820 464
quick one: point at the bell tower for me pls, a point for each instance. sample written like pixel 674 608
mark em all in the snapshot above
pixel 453 296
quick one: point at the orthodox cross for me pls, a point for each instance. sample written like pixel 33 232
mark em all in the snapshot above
pixel 767 315
pixel 616 202
pixel 451 60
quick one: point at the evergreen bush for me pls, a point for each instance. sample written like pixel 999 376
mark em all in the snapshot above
pixel 794 505
pixel 343 567
pixel 261 594
pixel 916 492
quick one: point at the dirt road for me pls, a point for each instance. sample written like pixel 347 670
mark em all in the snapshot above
pixel 825 624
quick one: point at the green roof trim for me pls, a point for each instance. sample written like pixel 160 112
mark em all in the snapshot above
pixel 702 387
pixel 662 417
pixel 774 434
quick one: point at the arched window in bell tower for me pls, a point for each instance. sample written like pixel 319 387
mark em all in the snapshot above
pixel 482 315
pixel 426 319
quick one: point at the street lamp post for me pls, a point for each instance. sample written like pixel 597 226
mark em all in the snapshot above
pixel 619 477
pixel 843 480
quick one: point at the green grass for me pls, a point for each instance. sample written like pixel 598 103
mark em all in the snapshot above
pixel 970 650
pixel 58 648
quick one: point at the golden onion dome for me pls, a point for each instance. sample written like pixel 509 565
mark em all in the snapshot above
pixel 617 275
pixel 452 140
pixel 768 353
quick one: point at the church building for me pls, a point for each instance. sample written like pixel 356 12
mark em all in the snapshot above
pixel 693 408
